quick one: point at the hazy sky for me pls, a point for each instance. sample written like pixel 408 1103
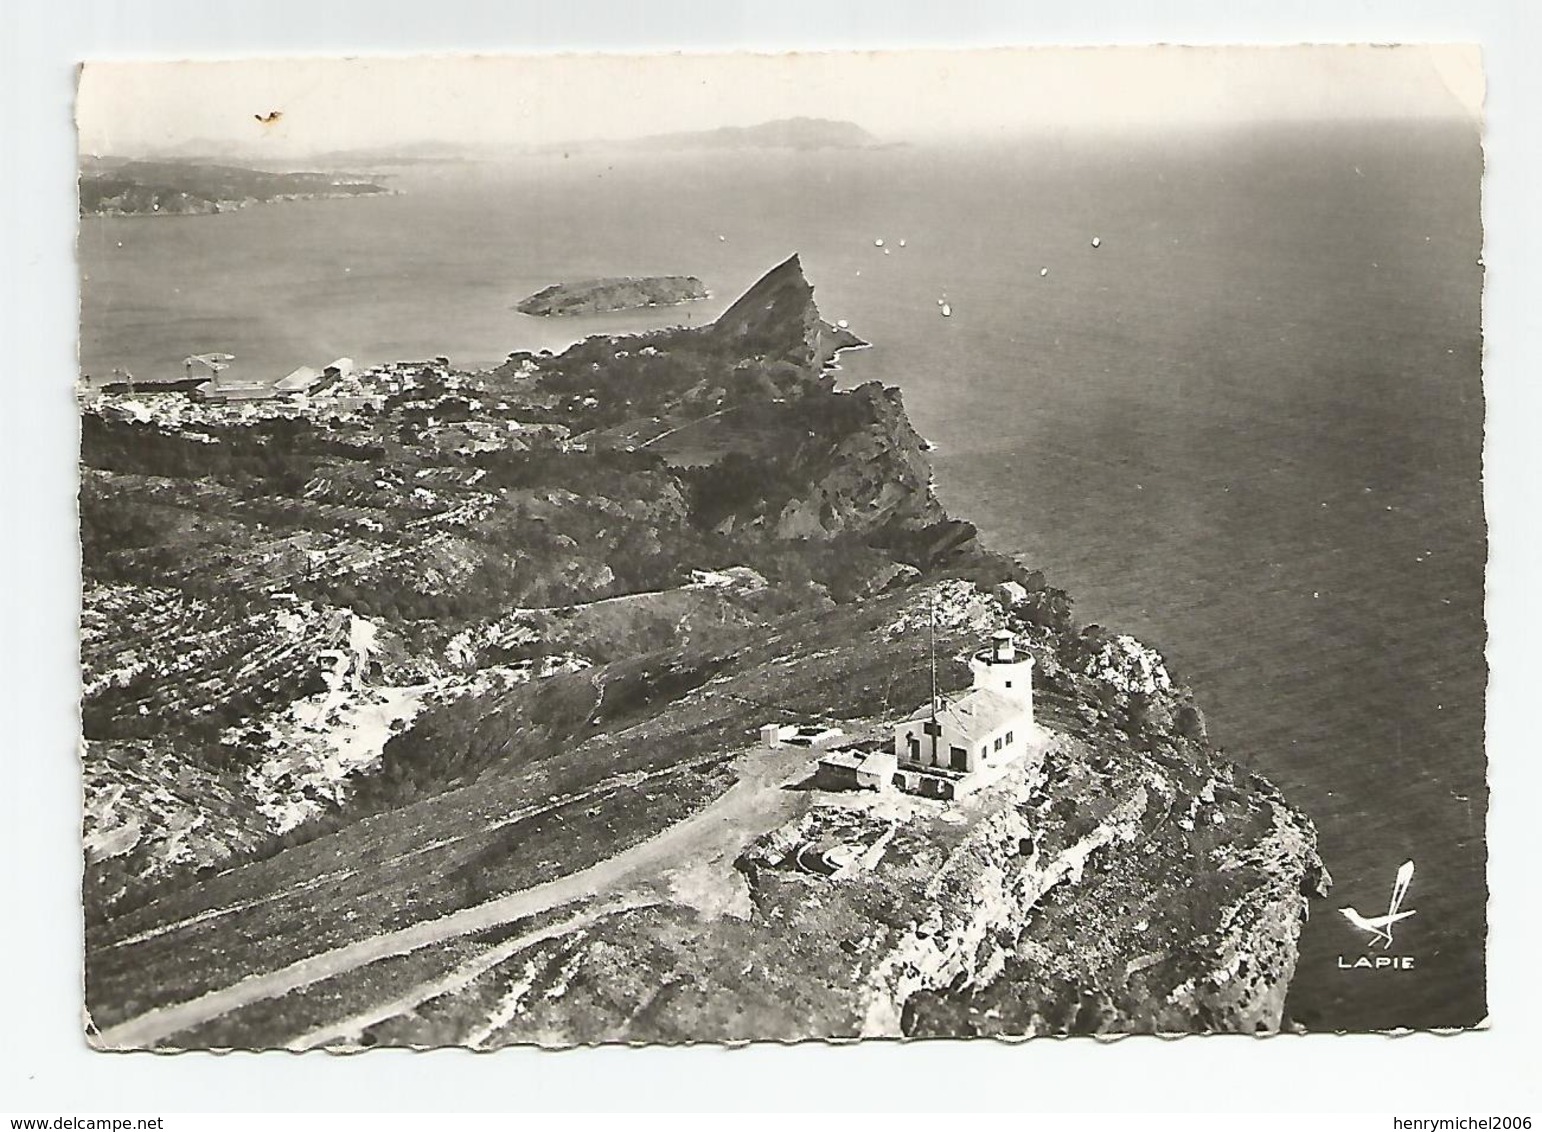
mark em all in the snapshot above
pixel 345 103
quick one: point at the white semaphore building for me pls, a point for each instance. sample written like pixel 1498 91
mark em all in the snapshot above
pixel 944 747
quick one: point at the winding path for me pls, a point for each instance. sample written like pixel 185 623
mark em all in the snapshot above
pixel 752 806
pixel 419 993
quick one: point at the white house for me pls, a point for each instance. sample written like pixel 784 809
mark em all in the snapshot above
pixel 941 745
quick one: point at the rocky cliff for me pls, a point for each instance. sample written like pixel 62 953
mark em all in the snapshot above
pixel 874 475
pixel 561 824
pixel 778 320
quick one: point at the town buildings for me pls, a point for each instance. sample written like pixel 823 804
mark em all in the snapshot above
pixel 221 389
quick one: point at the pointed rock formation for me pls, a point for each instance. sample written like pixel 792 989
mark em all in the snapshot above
pixel 777 319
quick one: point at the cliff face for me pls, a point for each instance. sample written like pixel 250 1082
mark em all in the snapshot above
pixel 777 319
pixel 861 467
pixel 1101 935
pixel 876 474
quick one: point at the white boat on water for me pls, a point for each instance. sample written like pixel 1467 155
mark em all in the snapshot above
pixel 1097 241
pixel 947 311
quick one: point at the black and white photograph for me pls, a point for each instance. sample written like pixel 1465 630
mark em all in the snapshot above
pixel 740 547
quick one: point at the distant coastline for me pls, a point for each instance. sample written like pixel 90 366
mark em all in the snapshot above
pixel 214 208
pixel 175 188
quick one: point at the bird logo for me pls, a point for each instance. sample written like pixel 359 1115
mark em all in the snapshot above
pixel 1380 927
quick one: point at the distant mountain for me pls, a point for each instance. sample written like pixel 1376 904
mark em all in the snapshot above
pixel 783 133
pixel 248 153
pixel 405 153
pixel 211 150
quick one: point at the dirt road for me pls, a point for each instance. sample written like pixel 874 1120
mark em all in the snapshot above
pixel 754 805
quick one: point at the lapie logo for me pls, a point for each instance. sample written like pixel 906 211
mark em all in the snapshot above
pixel 1380 927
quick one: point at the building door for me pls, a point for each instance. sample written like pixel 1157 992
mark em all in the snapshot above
pixel 960 758
pixel 915 749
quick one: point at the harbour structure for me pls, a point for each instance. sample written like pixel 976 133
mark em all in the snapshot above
pixel 306 379
pixel 222 390
pixel 302 380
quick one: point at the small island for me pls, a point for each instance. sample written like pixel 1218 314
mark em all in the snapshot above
pixel 596 296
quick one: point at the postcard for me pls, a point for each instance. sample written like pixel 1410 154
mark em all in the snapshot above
pixel 733 548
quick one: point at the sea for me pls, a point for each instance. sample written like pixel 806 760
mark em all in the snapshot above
pixel 1223 386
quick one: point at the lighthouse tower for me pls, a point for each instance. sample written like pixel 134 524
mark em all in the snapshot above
pixel 1000 667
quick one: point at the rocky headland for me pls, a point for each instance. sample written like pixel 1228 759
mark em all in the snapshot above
pixel 441 725
pixel 597 296
pixel 183 188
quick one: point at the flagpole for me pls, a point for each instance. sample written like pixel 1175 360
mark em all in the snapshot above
pixel 931 622
pixel 932 638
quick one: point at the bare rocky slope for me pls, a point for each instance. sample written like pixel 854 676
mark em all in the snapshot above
pixel 567 829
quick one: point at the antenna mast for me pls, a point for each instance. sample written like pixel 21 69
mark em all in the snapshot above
pixel 932 635
pixel 932 729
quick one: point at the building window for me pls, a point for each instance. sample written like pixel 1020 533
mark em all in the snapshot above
pixel 998 742
pixel 1009 683
pixel 1009 738
pixel 932 727
pixel 985 749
